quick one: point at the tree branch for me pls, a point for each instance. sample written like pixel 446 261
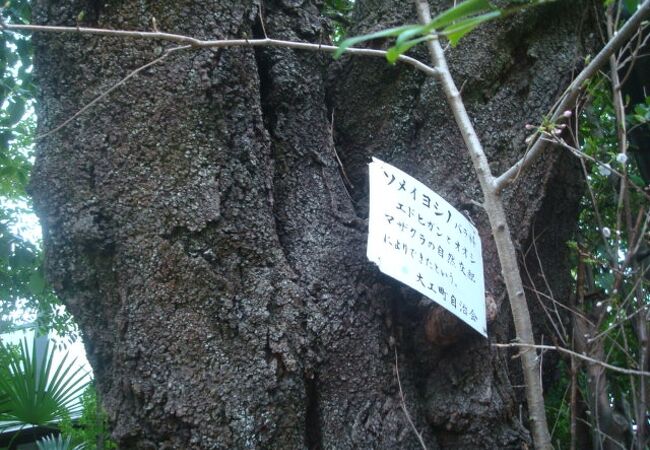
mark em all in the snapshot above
pixel 577 355
pixel 502 237
pixel 215 43
pixel 111 89
pixel 403 401
pixel 575 88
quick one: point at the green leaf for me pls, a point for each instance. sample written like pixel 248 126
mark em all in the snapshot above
pixel 396 31
pixel 456 31
pixel 636 179
pixel 458 12
pixel 394 52
pixel 408 35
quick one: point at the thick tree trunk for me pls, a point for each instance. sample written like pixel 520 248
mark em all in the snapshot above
pixel 199 227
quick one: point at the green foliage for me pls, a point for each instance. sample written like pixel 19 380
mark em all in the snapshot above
pixel 22 280
pixel 92 427
pixel 34 389
pixel 17 88
pixel 600 141
pixel 338 11
pixel 453 24
pixel 608 241
pixel 641 115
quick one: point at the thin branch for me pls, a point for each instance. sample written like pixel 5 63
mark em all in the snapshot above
pixel 629 316
pixel 506 251
pixel 548 285
pixel 574 403
pixel 634 56
pixel 621 133
pixel 557 303
pixel 577 355
pixel 343 172
pixel 403 401
pixel 599 219
pixel 190 42
pixel 575 88
pixel 559 409
pixel 111 89
pixel 216 43
pixel 601 433
pixel 538 294
pixel 261 17
pixel 582 155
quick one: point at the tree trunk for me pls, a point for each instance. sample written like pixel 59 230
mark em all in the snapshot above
pixel 199 227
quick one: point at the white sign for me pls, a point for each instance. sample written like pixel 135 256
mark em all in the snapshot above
pixel 418 238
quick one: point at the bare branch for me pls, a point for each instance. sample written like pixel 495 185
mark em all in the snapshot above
pixel 621 132
pixel 577 355
pixel 111 89
pixel 582 155
pixel 403 401
pixel 216 43
pixel 495 210
pixel 641 309
pixel 575 88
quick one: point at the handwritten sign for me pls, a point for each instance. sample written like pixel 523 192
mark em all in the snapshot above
pixel 418 238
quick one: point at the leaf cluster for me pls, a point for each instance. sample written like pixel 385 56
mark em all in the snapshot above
pixel 16 88
pixel 22 280
pixel 91 429
pixel 453 24
pixel 36 390
pixel 338 12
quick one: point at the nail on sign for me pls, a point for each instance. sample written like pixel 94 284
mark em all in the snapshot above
pixel 418 238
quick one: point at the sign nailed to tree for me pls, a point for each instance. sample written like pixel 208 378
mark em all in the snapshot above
pixel 418 238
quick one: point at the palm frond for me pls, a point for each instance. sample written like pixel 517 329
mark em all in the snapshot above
pixel 34 389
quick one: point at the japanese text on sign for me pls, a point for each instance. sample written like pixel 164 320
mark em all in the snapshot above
pixel 418 238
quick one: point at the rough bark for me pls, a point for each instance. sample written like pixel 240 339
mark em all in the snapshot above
pixel 198 226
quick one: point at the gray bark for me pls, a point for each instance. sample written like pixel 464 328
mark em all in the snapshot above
pixel 198 226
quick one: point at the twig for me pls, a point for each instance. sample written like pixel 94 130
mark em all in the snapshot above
pixel 621 133
pixel 576 87
pixel 538 295
pixel 345 175
pixel 577 355
pixel 599 219
pixel 111 89
pixel 626 318
pixel 574 404
pixel 259 10
pixel 190 42
pixel 403 401
pixel 563 335
pixel 580 154
pixel 641 42
pixel 217 43
pixel 601 433
pixel 559 304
